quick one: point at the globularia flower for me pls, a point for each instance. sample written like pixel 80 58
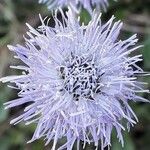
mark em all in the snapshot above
pixel 77 4
pixel 77 81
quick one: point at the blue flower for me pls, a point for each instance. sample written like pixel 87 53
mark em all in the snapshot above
pixel 77 81
pixel 77 4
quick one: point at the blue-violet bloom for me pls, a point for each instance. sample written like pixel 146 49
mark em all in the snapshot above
pixel 77 4
pixel 77 81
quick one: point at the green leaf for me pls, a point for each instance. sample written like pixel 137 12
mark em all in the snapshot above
pixel 38 145
pixel 3 112
pixel 85 16
pixel 4 143
pixel 19 137
pixel 128 143
pixel 146 53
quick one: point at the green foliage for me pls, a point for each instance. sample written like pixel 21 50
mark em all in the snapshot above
pixel 146 53
pixel 128 143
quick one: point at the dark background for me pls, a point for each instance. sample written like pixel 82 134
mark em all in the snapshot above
pixel 15 13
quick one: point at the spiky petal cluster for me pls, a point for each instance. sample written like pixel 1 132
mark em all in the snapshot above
pixel 77 4
pixel 77 81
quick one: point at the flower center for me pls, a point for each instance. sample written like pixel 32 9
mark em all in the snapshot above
pixel 81 77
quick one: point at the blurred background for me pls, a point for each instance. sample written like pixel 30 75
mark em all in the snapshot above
pixel 15 13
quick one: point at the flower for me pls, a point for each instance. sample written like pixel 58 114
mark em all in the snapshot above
pixel 77 81
pixel 77 4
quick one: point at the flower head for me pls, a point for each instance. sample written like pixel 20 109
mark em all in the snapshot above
pixel 77 81
pixel 77 4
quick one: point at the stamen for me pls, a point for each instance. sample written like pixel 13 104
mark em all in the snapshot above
pixel 81 77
